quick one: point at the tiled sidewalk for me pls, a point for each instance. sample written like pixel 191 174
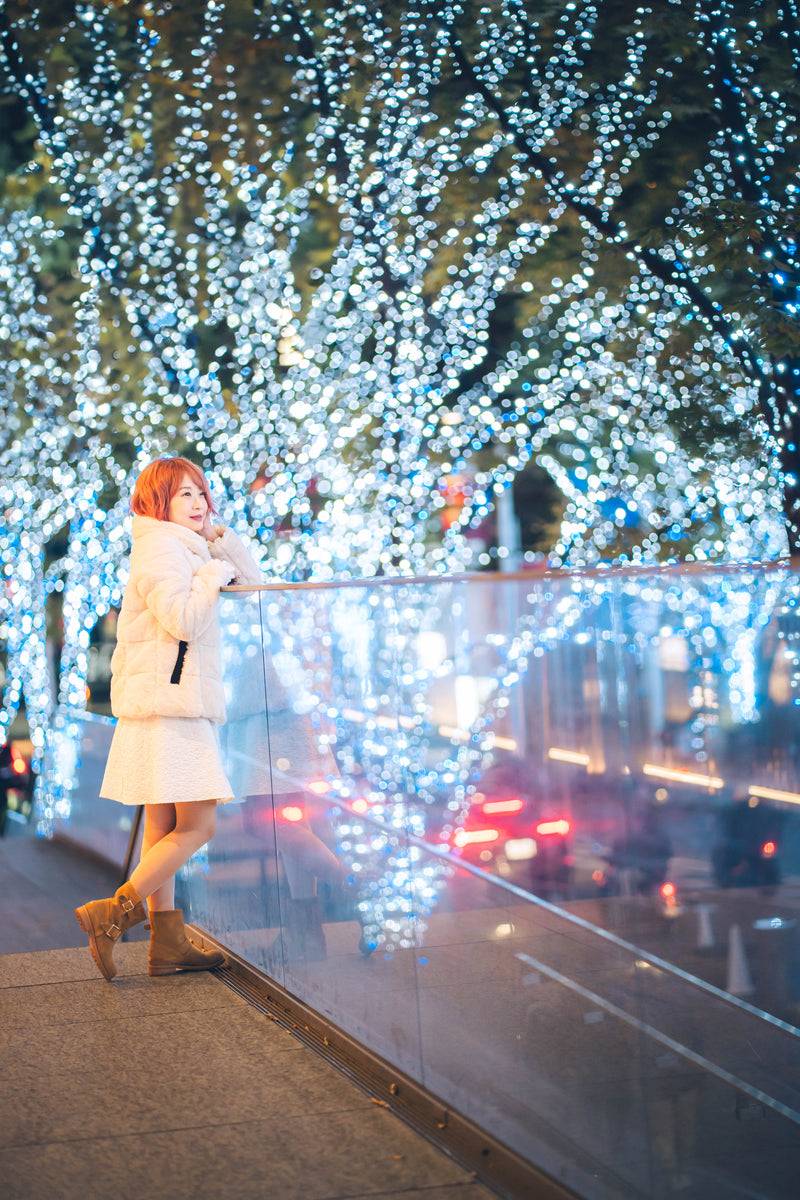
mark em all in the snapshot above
pixel 145 1088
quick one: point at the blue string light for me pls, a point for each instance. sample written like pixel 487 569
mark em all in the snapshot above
pixel 333 389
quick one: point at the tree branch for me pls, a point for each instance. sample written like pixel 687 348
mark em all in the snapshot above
pixel 670 271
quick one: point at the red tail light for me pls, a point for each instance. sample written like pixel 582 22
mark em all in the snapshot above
pixel 291 812
pixel 493 807
pixel 561 828
pixel 768 849
pixel 668 891
pixel 360 805
pixel 475 837
pixel 17 761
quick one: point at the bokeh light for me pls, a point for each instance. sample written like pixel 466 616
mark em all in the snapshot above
pixel 283 238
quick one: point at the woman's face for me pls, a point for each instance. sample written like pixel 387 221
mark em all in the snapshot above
pixel 188 507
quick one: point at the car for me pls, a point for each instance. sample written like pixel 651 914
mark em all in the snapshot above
pixel 16 784
pixel 747 851
pixel 511 829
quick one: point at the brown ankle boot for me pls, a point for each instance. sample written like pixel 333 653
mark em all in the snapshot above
pixel 171 950
pixel 106 920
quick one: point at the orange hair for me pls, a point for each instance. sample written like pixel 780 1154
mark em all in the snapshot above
pixel 160 481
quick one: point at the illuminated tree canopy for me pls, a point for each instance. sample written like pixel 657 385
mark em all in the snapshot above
pixel 350 252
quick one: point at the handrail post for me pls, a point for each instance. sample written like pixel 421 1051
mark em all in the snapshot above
pixel 135 827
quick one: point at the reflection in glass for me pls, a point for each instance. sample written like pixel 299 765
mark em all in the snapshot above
pixel 537 842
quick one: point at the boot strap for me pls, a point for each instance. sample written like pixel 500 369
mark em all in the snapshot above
pixel 111 931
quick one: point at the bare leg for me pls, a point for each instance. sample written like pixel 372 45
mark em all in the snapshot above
pixel 195 824
pixel 159 820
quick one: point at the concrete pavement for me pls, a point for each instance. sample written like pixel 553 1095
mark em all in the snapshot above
pixel 174 1087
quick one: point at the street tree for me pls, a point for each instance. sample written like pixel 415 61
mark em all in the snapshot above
pixel 364 258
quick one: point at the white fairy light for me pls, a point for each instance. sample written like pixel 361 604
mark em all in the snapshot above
pixel 311 318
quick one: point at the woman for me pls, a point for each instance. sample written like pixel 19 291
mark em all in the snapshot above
pixel 166 692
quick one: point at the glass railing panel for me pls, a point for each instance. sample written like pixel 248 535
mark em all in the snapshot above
pixel 537 842
pixel 297 880
pixel 680 779
pixel 617 1074
pixel 229 887
pixel 592 739
pixel 69 805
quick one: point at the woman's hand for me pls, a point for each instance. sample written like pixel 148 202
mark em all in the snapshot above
pixel 211 532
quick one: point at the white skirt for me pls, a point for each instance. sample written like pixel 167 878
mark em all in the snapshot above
pixel 165 760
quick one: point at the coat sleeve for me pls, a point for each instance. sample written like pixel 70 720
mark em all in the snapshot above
pixel 182 601
pixel 229 546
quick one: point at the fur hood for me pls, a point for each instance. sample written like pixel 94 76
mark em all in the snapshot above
pixel 171 597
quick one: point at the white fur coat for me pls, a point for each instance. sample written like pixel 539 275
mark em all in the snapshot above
pixel 171 597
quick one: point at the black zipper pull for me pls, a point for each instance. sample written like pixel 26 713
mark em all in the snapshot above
pixel 177 670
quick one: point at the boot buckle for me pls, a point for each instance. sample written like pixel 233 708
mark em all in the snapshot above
pixel 112 931
pixel 126 904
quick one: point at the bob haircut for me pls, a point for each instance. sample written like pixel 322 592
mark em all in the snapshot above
pixel 160 481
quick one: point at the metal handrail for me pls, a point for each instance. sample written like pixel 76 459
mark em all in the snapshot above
pixel 534 575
